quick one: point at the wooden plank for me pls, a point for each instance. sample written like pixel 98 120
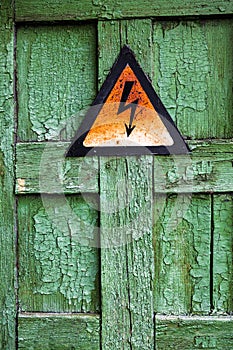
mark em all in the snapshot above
pixel 126 218
pixel 58 332
pixel 182 234
pixel 127 254
pixel 43 10
pixel 193 333
pixel 41 168
pixel 56 67
pixel 58 258
pixel 193 75
pixel 7 232
pixel 200 172
pixel 222 254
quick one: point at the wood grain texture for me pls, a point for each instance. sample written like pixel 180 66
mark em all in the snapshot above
pixel 193 75
pixel 182 234
pixel 222 253
pixel 126 217
pixel 193 333
pixel 42 168
pixel 127 260
pixel 58 261
pixel 29 10
pixel 56 68
pixel 58 332
pixel 7 233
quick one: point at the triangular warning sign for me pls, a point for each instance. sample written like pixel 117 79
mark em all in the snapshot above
pixel 127 117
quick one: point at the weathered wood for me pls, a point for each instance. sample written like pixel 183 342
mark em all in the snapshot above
pixel 182 235
pixel 58 332
pixel 56 79
pixel 41 167
pixel 222 253
pixel 58 261
pixel 7 233
pixel 43 10
pixel 193 75
pixel 126 219
pixel 194 333
pixel 127 260
pixel 193 174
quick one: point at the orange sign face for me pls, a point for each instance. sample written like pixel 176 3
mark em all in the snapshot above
pixel 127 117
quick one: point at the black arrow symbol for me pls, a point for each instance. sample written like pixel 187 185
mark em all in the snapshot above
pixel 132 105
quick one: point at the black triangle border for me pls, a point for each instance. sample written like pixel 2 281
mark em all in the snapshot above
pixel 77 149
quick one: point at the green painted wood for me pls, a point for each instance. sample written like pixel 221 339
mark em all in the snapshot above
pixel 7 233
pixel 58 332
pixel 126 218
pixel 56 79
pixel 127 259
pixel 222 253
pixel 42 10
pixel 42 168
pixel 193 75
pixel 182 234
pixel 58 261
pixel 197 173
pixel 194 333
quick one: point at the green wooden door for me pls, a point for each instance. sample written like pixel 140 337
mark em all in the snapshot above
pixel 170 284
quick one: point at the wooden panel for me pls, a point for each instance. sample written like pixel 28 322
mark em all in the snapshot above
pixel 222 253
pixel 127 262
pixel 27 10
pixel 58 332
pixel 7 235
pixel 193 75
pixel 41 167
pixel 193 333
pixel 126 218
pixel 182 234
pixel 58 265
pixel 56 79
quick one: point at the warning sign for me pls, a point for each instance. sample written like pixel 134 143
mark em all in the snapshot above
pixel 127 117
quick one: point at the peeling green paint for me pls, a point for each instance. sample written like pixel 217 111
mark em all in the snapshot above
pixel 62 260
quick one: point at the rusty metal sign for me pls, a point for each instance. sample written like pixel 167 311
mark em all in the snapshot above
pixel 127 117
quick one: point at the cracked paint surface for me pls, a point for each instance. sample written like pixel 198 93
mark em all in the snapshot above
pixel 62 267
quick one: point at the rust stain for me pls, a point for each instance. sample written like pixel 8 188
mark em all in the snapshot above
pixel 109 126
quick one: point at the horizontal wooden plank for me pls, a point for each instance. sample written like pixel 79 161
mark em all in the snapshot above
pixel 58 332
pixel 194 332
pixel 44 10
pixel 208 168
pixel 42 168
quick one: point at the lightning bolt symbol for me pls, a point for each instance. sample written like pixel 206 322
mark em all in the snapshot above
pixel 132 105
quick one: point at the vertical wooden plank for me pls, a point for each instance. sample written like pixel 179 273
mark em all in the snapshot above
pixel 182 236
pixel 127 260
pixel 126 219
pixel 193 73
pixel 56 79
pixel 58 263
pixel 7 236
pixel 222 253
